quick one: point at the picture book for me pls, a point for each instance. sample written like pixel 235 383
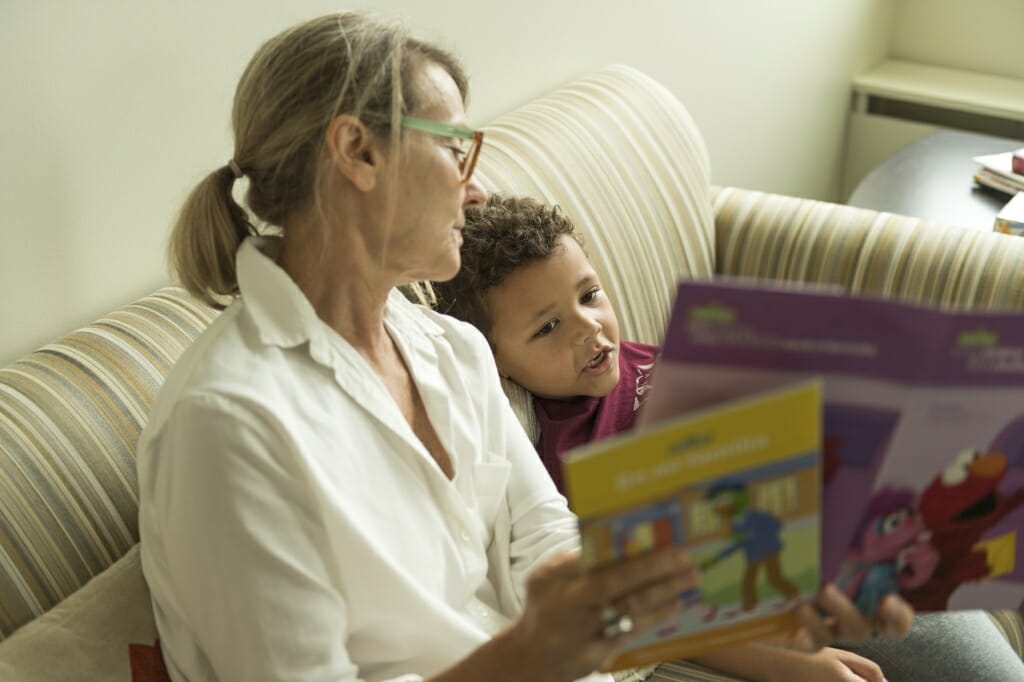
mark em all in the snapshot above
pixel 740 486
pixel 923 437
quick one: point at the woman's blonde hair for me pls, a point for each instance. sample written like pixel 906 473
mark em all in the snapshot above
pixel 295 84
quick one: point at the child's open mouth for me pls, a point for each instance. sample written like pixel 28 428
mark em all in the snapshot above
pixel 600 362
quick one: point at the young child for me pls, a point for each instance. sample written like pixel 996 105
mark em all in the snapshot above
pixel 527 285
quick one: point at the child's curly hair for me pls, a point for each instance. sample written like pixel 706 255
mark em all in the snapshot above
pixel 500 237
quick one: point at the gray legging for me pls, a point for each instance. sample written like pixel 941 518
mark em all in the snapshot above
pixel 948 645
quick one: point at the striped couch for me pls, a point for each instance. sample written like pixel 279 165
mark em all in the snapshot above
pixel 619 153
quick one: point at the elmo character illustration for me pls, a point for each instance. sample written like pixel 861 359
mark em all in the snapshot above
pixel 957 507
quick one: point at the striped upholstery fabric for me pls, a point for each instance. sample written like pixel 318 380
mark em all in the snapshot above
pixel 785 238
pixel 70 416
pixel 623 158
pixel 1012 625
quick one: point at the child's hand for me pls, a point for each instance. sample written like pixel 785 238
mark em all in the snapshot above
pixel 835 665
pixel 768 662
pixel 843 622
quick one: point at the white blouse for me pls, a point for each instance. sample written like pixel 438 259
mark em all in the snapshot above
pixel 294 528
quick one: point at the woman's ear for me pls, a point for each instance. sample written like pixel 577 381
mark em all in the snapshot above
pixel 353 151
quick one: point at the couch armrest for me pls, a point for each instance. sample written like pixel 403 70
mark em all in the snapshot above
pixel 86 636
pixel 70 417
pixel 771 236
pixel 1012 625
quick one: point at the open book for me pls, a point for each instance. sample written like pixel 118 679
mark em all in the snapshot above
pixel 923 447
pixel 740 486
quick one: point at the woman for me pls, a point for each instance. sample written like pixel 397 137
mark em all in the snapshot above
pixel 332 484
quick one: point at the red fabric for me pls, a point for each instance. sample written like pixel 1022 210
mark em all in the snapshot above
pixel 147 663
pixel 565 424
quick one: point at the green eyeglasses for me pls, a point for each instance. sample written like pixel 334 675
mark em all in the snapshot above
pixel 466 157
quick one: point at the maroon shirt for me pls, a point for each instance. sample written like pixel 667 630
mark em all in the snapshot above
pixel 565 424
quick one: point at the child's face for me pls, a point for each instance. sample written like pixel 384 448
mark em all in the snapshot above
pixel 554 331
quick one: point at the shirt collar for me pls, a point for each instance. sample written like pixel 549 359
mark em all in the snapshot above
pixel 281 312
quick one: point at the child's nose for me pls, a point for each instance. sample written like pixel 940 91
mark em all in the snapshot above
pixel 588 328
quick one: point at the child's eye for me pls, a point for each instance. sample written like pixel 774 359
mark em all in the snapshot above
pixel 590 296
pixel 548 327
pixel 458 152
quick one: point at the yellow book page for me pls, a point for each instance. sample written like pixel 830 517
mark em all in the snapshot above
pixel 624 471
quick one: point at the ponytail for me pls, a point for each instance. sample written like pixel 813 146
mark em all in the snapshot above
pixel 208 231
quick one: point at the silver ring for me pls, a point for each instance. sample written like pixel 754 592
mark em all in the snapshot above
pixel 615 624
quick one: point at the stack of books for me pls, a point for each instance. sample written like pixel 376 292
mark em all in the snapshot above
pixel 1001 172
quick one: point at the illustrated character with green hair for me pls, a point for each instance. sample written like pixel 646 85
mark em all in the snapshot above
pixel 756 533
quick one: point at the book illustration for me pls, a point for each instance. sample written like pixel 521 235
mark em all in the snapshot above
pixel 891 551
pixel 926 548
pixel 856 440
pixel 923 435
pixel 757 533
pixel 959 505
pixel 740 487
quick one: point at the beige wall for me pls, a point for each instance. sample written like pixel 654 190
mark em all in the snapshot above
pixel 976 35
pixel 112 109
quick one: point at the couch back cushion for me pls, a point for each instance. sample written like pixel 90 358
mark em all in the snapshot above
pixel 621 155
pixel 70 416
pixel 769 236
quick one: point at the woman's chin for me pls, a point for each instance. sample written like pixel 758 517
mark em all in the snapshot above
pixel 442 271
pixel 448 273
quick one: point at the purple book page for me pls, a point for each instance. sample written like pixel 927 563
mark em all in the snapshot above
pixel 924 427
pixel 808 330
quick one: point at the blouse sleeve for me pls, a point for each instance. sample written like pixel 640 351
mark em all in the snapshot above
pixel 541 523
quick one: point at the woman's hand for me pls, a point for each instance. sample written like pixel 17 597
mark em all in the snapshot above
pixel 563 628
pixel 843 622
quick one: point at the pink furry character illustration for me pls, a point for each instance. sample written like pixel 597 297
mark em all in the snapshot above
pixel 958 506
pixel 891 551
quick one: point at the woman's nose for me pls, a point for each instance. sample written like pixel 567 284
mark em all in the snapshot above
pixel 476 195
